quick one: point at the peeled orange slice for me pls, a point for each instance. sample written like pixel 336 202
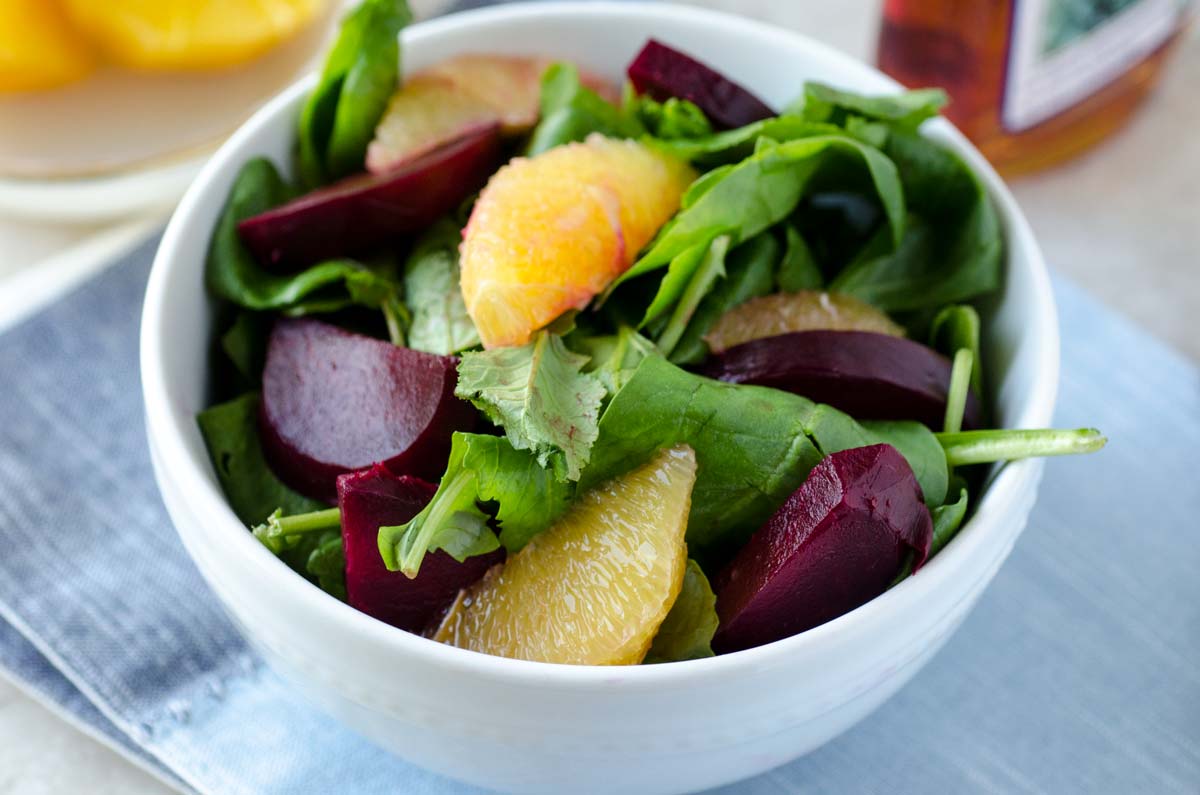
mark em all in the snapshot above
pixel 550 232
pixel 594 588
pixel 807 310
pixel 38 47
pixel 188 34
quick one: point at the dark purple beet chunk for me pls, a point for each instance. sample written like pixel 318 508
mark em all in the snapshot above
pixel 376 498
pixel 837 542
pixel 869 376
pixel 335 402
pixel 663 72
pixel 365 211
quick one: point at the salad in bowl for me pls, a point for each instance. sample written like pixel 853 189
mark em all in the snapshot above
pixel 554 369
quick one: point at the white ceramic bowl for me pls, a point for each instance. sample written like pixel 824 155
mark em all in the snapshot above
pixel 532 727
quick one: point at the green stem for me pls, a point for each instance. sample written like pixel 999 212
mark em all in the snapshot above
pixel 394 314
pixel 302 523
pixel 960 385
pixel 985 447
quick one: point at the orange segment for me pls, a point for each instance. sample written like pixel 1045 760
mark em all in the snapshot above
pixel 427 112
pixel 38 47
pixel 188 34
pixel 595 587
pixel 550 232
pixel 807 310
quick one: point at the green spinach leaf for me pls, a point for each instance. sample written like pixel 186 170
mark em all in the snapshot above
pixel 905 111
pixel 440 323
pixel 540 395
pixel 687 631
pixel 758 193
pixel 230 432
pixel 615 357
pixel 666 121
pixel 360 73
pixel 232 273
pixel 750 272
pixel 703 277
pixel 955 327
pixel 946 521
pixel 570 111
pixel 799 269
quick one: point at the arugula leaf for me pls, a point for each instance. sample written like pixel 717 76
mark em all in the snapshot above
pixel 452 521
pixel 952 250
pixel 759 192
pixel 360 73
pixel 570 111
pixel 687 631
pixel 540 395
pixel 905 111
pixel 750 443
pixel 230 432
pixel 232 273
pixel 703 277
pixel 481 469
pixel 750 272
pixel 946 521
pixel 440 323
pixel 799 269
pixel 955 327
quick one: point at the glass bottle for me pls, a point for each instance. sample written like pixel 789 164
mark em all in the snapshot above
pixel 1032 82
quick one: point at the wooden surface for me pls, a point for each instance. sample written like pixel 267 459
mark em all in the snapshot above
pixel 1123 220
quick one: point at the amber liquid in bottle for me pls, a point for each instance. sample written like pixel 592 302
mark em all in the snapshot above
pixel 967 47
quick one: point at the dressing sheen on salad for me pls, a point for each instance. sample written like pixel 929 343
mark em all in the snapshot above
pixel 545 369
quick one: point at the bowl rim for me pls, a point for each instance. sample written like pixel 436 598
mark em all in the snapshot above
pixel 166 428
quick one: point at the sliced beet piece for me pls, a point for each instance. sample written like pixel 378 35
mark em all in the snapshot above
pixel 869 376
pixel 376 498
pixel 334 402
pixel 365 211
pixel 664 72
pixel 837 542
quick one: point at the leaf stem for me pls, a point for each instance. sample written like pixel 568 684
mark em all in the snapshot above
pixel 395 315
pixel 985 447
pixel 960 384
pixel 302 523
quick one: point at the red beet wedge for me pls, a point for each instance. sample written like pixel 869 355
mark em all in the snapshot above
pixel 365 211
pixel 334 402
pixel 869 376
pixel 663 72
pixel 376 498
pixel 837 542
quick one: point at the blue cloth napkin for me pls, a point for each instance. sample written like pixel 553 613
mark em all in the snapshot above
pixel 1076 673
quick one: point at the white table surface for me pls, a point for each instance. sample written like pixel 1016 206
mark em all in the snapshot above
pixel 1123 220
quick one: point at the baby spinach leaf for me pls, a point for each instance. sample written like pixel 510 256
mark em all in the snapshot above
pixel 952 250
pixel 541 397
pixel 232 273
pixel 905 111
pixel 245 344
pixel 687 631
pixel 946 521
pixel 955 327
pixel 736 144
pixel 570 111
pixel 230 432
pixel 799 269
pixel 482 469
pixel 703 277
pixel 440 323
pixel 750 443
pixel 750 272
pixel 360 73
pixel 326 564
pixel 758 193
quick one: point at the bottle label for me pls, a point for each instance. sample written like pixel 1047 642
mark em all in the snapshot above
pixel 1063 51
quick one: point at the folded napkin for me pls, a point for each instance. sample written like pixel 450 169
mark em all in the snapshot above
pixel 1077 672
